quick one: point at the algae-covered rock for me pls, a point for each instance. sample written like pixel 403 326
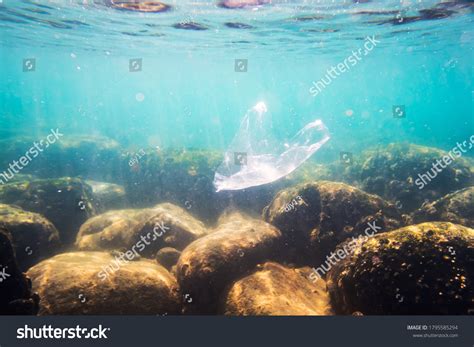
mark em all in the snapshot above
pixel 168 257
pixel 108 196
pixel 19 178
pixel 180 177
pixel 213 262
pixel 407 173
pixel 315 217
pixel 33 236
pixel 67 202
pixel 185 178
pixel 16 297
pixel 83 283
pixel 94 157
pixel 111 230
pixel 276 290
pixel 424 269
pixel 457 207
pixel 148 230
pixel 173 226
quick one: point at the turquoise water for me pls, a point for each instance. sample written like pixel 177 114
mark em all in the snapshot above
pixel 188 93
pixel 218 110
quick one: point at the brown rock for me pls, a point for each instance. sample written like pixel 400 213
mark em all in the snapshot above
pixel 149 230
pixel 33 236
pixel 276 290
pixel 457 207
pixel 66 202
pixel 423 269
pixel 76 284
pixel 315 217
pixel 213 262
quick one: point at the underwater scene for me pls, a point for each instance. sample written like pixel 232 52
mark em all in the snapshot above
pixel 236 157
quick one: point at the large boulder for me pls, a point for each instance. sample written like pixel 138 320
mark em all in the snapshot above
pixel 16 297
pixel 97 283
pixel 315 217
pixel 213 262
pixel 457 208
pixel 94 157
pixel 67 202
pixel 33 236
pixel 276 290
pixel 149 230
pixel 424 269
pixel 401 173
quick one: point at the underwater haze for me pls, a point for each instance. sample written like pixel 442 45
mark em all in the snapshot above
pixel 236 157
pixel 188 93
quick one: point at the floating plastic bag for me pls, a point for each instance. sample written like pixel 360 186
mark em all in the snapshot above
pixel 255 157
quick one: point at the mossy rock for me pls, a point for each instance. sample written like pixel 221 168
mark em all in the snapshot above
pixel 276 290
pixel 16 297
pixel 210 264
pixel 393 171
pixel 315 217
pixel 164 225
pixel 457 208
pixel 66 202
pixel 423 269
pixel 33 236
pixel 94 157
pixel 185 178
pixel 74 284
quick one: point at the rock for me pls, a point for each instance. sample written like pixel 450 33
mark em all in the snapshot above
pixel 457 208
pixel 396 172
pixel 94 157
pixel 67 202
pixel 185 178
pixel 96 283
pixel 172 226
pixel 168 257
pixel 423 269
pixel 33 236
pixel 276 290
pixel 108 196
pixel 214 261
pixel 21 178
pixel 16 297
pixel 149 230
pixel 110 230
pixel 315 217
